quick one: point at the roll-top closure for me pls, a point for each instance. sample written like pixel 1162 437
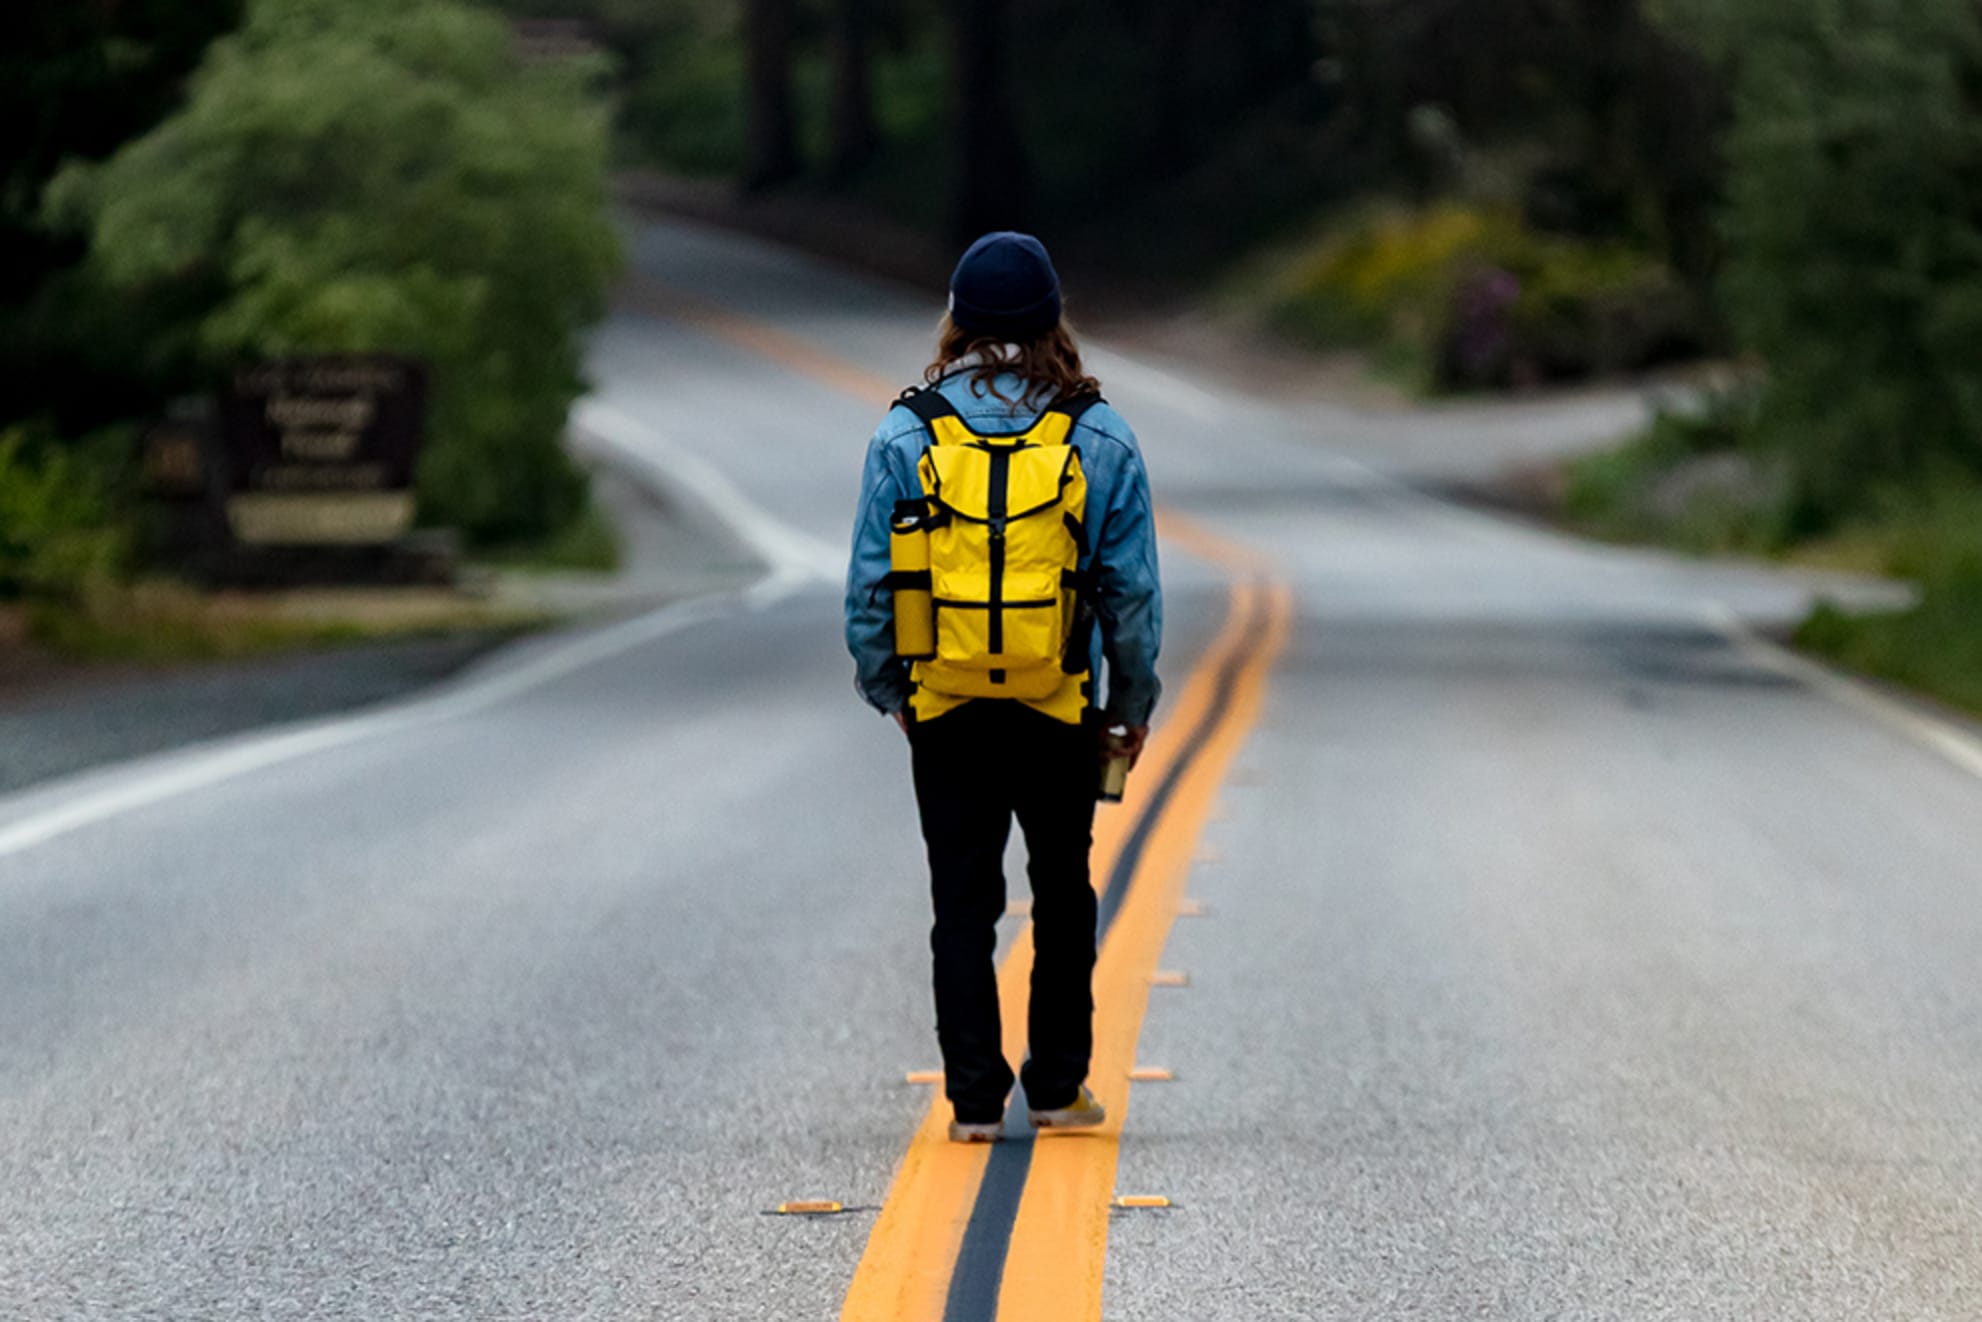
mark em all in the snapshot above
pixel 1034 480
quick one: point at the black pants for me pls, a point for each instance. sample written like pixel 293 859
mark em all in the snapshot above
pixel 976 768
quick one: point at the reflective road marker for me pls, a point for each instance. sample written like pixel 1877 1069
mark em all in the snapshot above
pixel 915 1254
pixel 1059 1240
pixel 906 1273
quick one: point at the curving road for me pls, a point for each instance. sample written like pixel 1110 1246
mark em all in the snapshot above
pixel 1562 951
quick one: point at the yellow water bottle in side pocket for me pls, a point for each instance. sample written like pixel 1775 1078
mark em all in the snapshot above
pixel 908 558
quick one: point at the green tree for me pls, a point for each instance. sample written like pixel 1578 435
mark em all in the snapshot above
pixel 76 82
pixel 1854 236
pixel 377 175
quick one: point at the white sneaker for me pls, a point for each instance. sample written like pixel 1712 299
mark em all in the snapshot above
pixel 962 1132
pixel 1082 1113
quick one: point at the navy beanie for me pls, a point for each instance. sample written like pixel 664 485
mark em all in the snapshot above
pixel 1005 285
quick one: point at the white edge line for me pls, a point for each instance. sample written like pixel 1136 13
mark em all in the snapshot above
pixel 1944 738
pixel 797 561
pixel 201 769
pixel 785 548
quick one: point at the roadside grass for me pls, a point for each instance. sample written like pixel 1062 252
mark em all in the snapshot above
pixel 162 621
pixel 1934 648
pixel 159 620
pixel 1686 485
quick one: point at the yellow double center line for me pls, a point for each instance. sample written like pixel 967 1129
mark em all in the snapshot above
pixel 1019 1230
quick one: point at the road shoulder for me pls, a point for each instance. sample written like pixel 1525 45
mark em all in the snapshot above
pixel 58 718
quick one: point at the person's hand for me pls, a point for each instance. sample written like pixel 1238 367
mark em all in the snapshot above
pixel 1131 743
pixel 901 719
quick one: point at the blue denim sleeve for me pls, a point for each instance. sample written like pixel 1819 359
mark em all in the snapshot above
pixel 879 675
pixel 1129 594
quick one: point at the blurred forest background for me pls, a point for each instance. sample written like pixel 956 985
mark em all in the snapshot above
pixel 1480 195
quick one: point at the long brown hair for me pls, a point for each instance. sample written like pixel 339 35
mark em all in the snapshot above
pixel 1048 364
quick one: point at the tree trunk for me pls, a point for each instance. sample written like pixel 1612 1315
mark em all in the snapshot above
pixel 850 126
pixel 1610 32
pixel 770 138
pixel 994 180
pixel 1170 143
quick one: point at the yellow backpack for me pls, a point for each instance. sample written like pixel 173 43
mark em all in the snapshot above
pixel 989 600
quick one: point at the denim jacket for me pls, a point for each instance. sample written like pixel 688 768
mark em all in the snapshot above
pixel 1120 534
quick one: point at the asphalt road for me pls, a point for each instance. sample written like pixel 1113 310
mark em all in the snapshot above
pixel 75 722
pixel 1569 954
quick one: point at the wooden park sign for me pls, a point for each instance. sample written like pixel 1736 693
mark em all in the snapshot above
pixel 320 451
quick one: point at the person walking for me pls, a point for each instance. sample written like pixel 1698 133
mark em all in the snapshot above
pixel 1003 553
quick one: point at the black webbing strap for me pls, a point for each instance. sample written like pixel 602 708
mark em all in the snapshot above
pixel 927 405
pixel 1075 405
pixel 1080 630
pixel 918 512
pixel 996 506
pixel 1078 531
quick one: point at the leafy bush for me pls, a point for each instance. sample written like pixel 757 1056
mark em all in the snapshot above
pixel 373 175
pixel 1486 301
pixel 1854 235
pixel 1587 310
pixel 1388 275
pixel 57 534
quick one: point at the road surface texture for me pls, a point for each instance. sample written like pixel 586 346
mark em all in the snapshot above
pixel 1525 939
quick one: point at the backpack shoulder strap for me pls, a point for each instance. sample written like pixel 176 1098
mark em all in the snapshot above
pixel 928 404
pixel 1075 405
